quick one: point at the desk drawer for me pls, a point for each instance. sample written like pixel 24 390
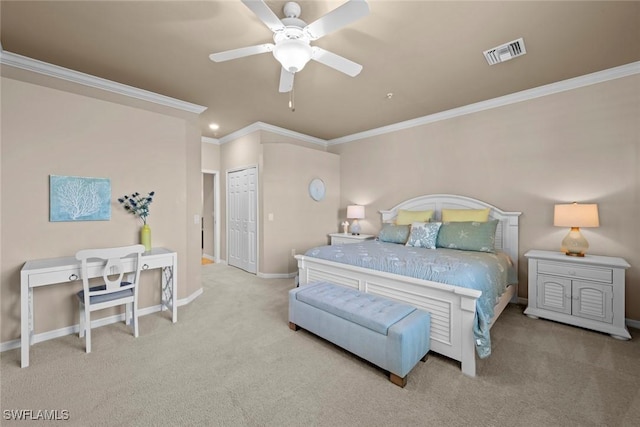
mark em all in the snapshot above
pixel 48 278
pixel 604 275
pixel 157 261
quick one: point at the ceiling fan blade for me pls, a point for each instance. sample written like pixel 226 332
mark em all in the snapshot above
pixel 241 52
pixel 344 15
pixel 265 14
pixel 336 62
pixel 286 81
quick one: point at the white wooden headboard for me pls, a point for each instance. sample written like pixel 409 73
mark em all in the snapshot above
pixel 506 231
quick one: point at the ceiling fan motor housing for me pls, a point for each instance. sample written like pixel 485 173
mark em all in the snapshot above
pixel 292 46
pixel 293 54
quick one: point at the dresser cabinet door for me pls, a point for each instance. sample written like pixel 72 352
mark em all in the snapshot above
pixel 592 301
pixel 554 293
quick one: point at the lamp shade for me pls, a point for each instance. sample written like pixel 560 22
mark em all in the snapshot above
pixel 293 54
pixel 355 211
pixel 576 215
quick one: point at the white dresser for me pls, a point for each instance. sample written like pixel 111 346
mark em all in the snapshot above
pixel 582 291
pixel 345 238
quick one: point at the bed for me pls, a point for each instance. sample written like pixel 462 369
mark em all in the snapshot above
pixel 452 307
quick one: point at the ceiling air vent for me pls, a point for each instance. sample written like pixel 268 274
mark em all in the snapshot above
pixel 505 52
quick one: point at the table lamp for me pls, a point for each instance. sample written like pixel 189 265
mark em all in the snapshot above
pixel 575 215
pixel 355 212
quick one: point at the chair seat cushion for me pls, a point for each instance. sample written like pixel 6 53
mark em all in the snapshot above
pixel 106 297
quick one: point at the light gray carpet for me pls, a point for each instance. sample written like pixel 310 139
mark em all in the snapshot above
pixel 231 360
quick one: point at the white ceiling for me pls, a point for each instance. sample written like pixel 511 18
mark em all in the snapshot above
pixel 427 53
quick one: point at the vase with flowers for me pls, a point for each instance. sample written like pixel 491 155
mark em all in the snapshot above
pixel 138 205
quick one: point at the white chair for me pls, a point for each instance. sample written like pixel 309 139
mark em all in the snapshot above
pixel 112 263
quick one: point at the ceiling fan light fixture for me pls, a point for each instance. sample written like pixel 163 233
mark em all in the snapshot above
pixel 293 54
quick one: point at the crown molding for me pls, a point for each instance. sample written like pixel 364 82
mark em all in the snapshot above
pixel 525 95
pixel 257 126
pixel 208 140
pixel 34 65
pixel 55 71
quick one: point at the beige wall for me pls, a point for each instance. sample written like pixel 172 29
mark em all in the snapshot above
pixel 299 222
pixel 45 132
pixel 581 145
pixel 210 156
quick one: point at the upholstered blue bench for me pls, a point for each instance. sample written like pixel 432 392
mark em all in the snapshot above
pixel 391 335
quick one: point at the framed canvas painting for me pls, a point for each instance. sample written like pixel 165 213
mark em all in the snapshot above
pixel 74 198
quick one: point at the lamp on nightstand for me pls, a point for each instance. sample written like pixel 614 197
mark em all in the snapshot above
pixel 575 215
pixel 355 212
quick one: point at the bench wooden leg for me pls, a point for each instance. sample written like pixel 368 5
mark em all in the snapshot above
pixel 293 326
pixel 400 382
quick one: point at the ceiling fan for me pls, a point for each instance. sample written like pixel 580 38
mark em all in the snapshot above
pixel 292 37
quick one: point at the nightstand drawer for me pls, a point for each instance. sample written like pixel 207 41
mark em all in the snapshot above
pixel 342 240
pixel 604 275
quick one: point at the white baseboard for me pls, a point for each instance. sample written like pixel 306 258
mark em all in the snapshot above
pixel 276 275
pixel 57 333
pixel 190 298
pixel 209 257
pixel 632 323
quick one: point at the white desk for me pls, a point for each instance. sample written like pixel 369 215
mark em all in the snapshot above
pixel 44 272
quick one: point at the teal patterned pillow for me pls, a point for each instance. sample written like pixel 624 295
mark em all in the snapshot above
pixel 468 236
pixel 424 234
pixel 392 233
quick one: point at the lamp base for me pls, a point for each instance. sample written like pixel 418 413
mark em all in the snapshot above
pixel 574 254
pixel 355 228
pixel 574 244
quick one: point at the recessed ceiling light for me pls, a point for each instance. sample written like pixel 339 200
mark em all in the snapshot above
pixel 214 126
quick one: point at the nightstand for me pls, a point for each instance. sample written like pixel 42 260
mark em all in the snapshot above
pixel 343 239
pixel 581 291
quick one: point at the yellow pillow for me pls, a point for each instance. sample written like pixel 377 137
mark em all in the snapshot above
pixel 464 215
pixel 409 217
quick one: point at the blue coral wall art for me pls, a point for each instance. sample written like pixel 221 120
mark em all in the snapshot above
pixel 73 198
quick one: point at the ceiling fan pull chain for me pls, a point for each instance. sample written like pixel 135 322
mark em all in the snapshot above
pixel 292 103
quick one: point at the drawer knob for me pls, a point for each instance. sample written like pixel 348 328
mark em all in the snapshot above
pixel 73 277
pixel 145 266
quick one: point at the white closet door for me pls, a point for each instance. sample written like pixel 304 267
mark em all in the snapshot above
pixel 242 219
pixel 250 225
pixel 233 219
